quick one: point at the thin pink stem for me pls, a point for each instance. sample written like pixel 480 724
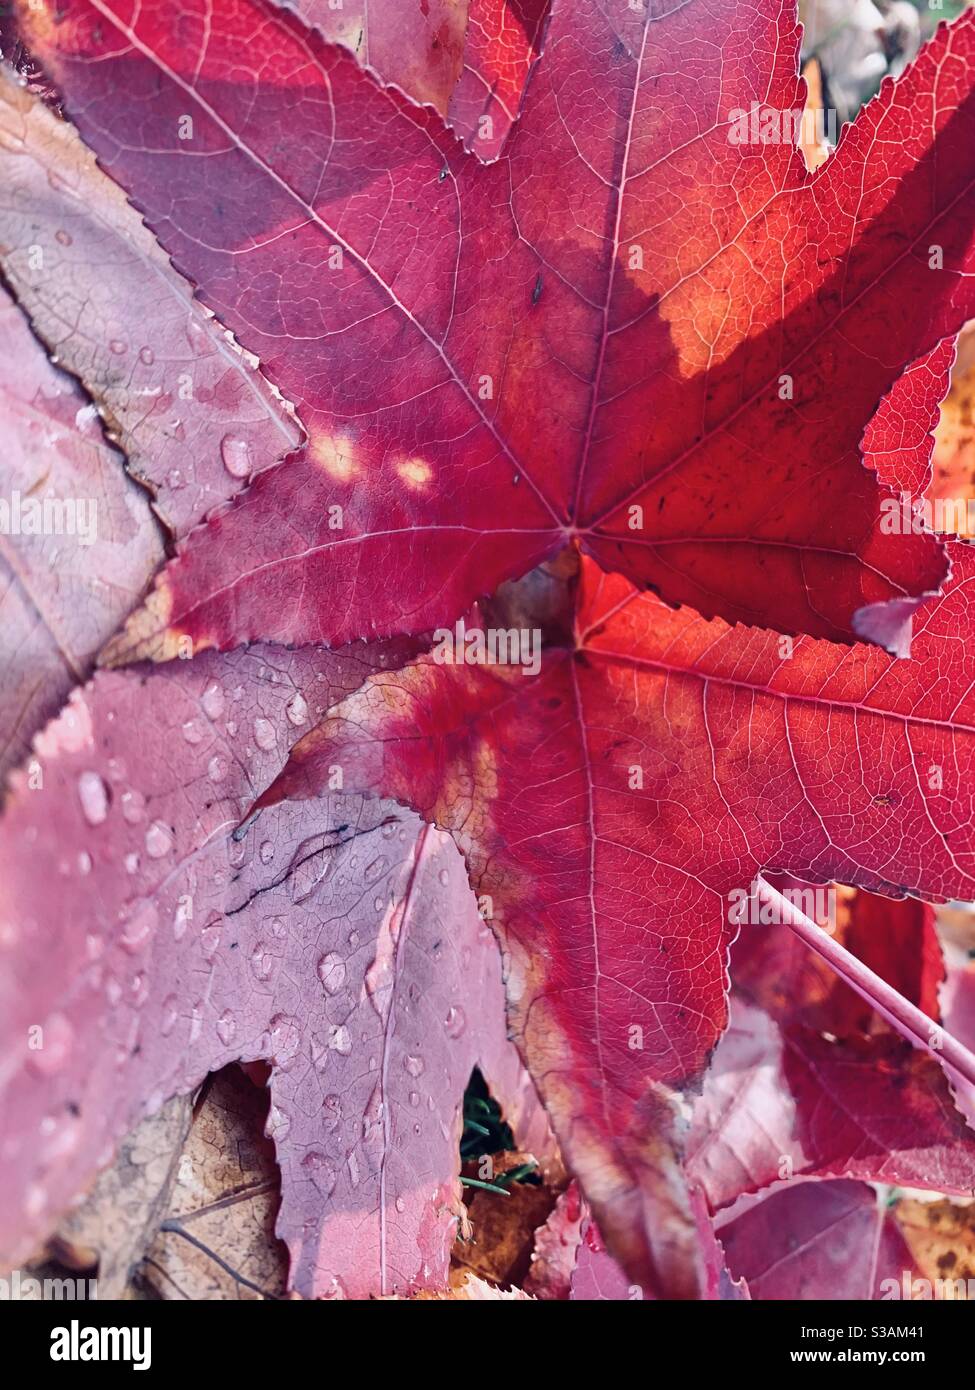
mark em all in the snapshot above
pixel 909 1020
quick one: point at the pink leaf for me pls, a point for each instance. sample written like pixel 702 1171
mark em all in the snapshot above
pixel 336 941
pixel 829 1240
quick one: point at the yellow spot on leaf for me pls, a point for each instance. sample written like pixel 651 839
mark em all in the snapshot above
pixel 336 454
pixel 414 472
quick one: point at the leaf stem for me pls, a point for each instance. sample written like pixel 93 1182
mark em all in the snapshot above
pixel 920 1030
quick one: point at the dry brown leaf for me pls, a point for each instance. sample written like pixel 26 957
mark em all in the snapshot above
pixel 941 1237
pixel 218 1240
pixel 108 1235
pixel 498 1238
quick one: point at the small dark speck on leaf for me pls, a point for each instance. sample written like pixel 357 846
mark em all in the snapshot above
pixel 537 291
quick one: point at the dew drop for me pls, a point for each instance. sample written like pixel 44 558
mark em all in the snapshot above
pixel 400 1205
pixel 196 336
pixel 226 1027
pixel 93 795
pixel 84 862
pixel 278 1125
pixel 266 852
pixel 331 1112
pixel 262 962
pixel 117 346
pixel 147 356
pixel 444 878
pixel 331 972
pixel 60 1136
pixel 196 1021
pixel 62 237
pixel 285 1037
pixel 376 869
pixel 297 709
pixel 264 735
pixel 181 918
pixel 413 1066
pixel 217 768
pixel 455 1022
pixel 159 840
pixel 170 1013
pixel 236 456
pixel 212 700
pixel 133 805
pixel 210 939
pixel 193 730
pixel 116 769
pixel 139 927
pixel 58 1040
pixel 372 1117
pixel 340 1040
pixel 322 1173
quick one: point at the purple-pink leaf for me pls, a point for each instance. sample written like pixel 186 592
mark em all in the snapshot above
pixel 64 499
pixel 145 946
pixel 195 418
pixel 808 1082
pixel 831 1240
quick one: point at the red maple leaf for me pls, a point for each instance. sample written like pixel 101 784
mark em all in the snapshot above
pixel 612 804
pixel 637 329
pixel 809 1081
